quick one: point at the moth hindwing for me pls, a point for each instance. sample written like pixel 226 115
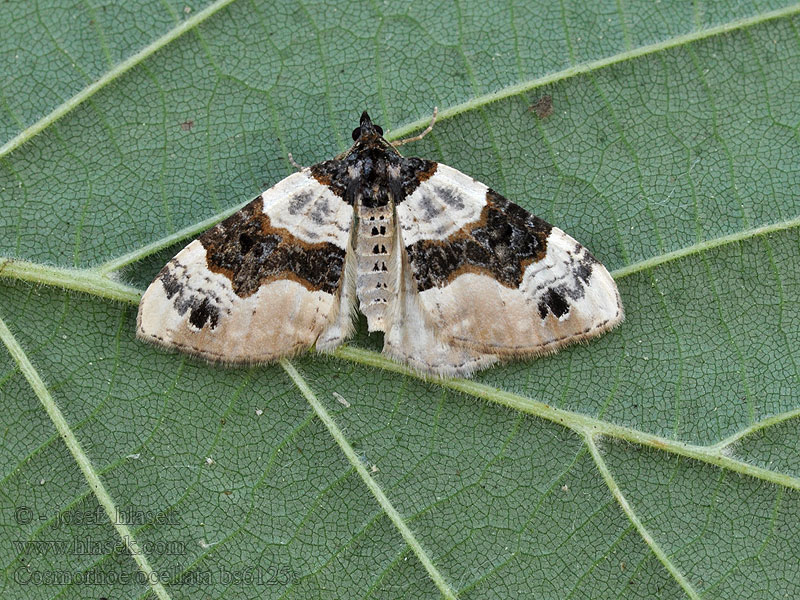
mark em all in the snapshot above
pixel 456 276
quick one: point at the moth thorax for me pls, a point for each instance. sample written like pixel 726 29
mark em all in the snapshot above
pixel 375 285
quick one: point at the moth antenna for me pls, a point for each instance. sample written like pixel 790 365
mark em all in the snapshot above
pixel 419 136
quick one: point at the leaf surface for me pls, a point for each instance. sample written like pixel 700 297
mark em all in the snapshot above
pixel 660 460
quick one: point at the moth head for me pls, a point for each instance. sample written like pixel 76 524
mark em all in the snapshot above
pixel 367 128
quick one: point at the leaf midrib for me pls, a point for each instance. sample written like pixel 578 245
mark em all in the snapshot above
pixel 101 282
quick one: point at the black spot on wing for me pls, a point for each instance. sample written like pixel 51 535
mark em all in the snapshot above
pixel 171 283
pixel 299 201
pixel 553 301
pixel 583 269
pixel 246 242
pixel 428 204
pixel 321 212
pixel 578 268
pixel 204 313
pixel 450 196
pixel 201 302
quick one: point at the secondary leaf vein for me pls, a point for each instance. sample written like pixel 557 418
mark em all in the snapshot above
pixel 82 460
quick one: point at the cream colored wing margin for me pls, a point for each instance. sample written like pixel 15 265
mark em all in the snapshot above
pixel 265 283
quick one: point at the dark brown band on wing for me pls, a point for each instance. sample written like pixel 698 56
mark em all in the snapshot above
pixel 414 171
pixel 372 174
pixel 501 243
pixel 332 174
pixel 250 252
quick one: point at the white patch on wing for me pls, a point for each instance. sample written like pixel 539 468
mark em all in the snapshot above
pixel 308 209
pixel 557 270
pixel 466 325
pixel 477 312
pixel 440 206
pixel 341 322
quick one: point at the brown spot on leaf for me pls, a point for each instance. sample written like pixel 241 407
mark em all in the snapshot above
pixel 543 107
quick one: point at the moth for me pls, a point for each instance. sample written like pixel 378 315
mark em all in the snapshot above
pixel 456 276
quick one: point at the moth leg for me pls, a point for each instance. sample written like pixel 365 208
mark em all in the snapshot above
pixel 294 163
pixel 419 136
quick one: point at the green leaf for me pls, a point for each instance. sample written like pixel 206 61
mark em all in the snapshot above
pixel 659 461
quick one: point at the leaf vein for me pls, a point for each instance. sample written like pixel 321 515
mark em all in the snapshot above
pixel 109 77
pixel 91 475
pixel 398 521
pixel 590 66
pixel 645 534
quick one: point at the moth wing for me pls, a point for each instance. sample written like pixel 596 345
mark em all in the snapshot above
pixel 269 281
pixel 413 339
pixel 495 279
